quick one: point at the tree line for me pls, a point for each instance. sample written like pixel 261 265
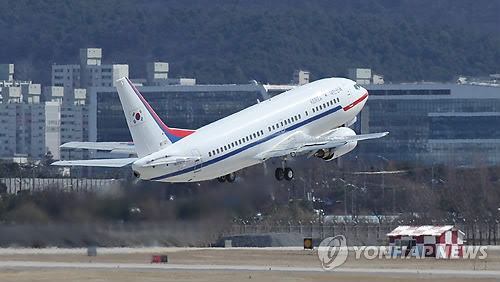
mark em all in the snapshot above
pixel 234 42
pixel 423 194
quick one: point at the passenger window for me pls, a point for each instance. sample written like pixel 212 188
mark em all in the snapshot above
pixel 225 148
pixel 299 116
pixel 289 121
pixel 314 110
pixel 269 129
pixel 258 133
pixel 239 141
pixel 217 151
pixel 273 127
pixel 254 136
pixel 262 132
pixel 247 138
pixel 307 114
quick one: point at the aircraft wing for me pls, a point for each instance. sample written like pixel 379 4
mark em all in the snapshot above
pixel 97 162
pixel 301 143
pixel 114 147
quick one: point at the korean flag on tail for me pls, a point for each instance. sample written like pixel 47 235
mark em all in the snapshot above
pixel 137 117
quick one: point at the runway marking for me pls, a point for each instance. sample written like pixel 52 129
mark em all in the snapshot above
pixel 27 265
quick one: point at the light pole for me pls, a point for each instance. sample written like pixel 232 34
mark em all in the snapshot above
pixel 345 193
pixel 303 186
pixel 352 186
pixel 33 168
pixel 383 188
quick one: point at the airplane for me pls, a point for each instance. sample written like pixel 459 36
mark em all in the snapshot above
pixel 312 120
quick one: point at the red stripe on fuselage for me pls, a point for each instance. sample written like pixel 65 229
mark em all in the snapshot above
pixel 356 102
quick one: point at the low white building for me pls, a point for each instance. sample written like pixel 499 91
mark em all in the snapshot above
pixel 427 241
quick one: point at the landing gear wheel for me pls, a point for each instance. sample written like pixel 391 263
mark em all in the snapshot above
pixel 288 174
pixel 279 174
pixel 231 177
pixel 221 179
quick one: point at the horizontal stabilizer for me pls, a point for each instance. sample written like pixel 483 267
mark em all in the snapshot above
pixel 114 147
pixel 98 162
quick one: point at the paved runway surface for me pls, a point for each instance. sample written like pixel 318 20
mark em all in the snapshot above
pixel 209 264
pixel 27 265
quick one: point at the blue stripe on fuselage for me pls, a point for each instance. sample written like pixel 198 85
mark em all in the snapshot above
pixel 239 150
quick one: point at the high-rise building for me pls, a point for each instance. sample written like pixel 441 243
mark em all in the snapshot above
pixel 7 72
pixel 432 123
pixel 29 129
pixel 300 77
pixel 89 73
pixel 360 75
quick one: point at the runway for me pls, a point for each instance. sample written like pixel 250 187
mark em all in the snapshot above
pixel 29 265
pixel 211 264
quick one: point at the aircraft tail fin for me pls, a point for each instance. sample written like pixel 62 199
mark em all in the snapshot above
pixel 149 133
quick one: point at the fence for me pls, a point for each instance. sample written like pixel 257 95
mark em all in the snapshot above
pixel 365 234
pixel 202 234
pixel 14 185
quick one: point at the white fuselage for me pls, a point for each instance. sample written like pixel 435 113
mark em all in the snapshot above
pixel 233 142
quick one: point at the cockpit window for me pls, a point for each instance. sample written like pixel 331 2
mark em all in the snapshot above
pixel 357 86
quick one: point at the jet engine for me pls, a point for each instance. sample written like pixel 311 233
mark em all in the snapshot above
pixel 333 153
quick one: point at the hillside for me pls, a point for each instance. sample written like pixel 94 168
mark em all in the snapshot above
pixel 236 41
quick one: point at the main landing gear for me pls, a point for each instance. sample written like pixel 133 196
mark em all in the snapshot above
pixel 283 172
pixel 229 178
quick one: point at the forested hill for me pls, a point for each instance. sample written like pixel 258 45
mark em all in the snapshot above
pixel 237 41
